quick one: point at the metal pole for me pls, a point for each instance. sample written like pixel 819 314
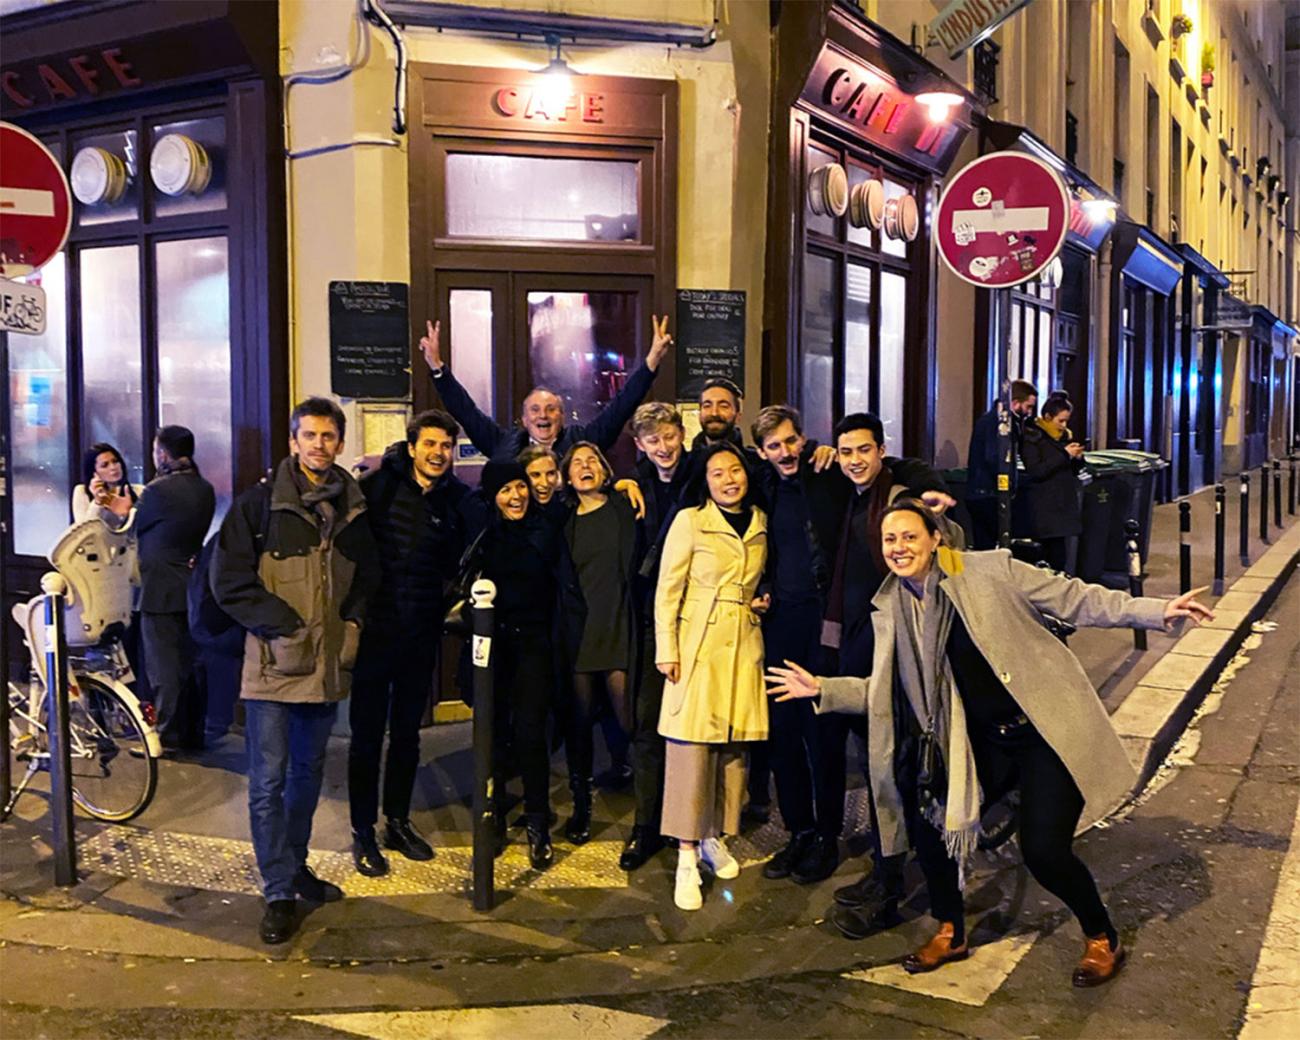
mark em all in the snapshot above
pixel 481 624
pixel 1263 503
pixel 56 719
pixel 1220 532
pixel 1006 471
pixel 1244 524
pixel 1134 575
pixel 1184 546
pixel 1277 492
pixel 1290 486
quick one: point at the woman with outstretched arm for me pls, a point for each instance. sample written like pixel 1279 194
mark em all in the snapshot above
pixel 971 696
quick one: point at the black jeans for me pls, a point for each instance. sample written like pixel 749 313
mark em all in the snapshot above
pixel 169 661
pixel 647 744
pixel 1050 807
pixel 523 692
pixel 808 767
pixel 390 691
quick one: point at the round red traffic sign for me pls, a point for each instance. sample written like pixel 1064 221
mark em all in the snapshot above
pixel 35 203
pixel 1002 219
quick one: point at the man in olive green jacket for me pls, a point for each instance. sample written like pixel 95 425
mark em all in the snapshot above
pixel 294 565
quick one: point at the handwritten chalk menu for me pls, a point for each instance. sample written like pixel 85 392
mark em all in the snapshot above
pixel 370 347
pixel 710 335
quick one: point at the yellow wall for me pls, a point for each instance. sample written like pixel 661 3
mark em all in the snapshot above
pixel 349 210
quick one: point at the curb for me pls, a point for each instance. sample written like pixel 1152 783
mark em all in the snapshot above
pixel 1155 714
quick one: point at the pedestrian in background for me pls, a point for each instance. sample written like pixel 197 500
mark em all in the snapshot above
pixel 301 595
pixel 709 647
pixel 104 491
pixel 172 519
pixel 1050 503
pixel 970 693
pixel 982 461
pixel 417 511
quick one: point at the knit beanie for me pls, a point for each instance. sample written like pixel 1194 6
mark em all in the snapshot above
pixel 497 473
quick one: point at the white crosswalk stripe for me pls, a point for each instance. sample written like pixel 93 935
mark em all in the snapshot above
pixel 536 1021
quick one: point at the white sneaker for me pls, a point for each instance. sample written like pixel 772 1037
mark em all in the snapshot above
pixel 715 856
pixel 686 891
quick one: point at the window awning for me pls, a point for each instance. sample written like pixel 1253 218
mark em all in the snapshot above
pixel 1146 258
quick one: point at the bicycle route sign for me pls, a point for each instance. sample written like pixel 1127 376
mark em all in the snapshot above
pixel 1002 219
pixel 22 308
pixel 35 203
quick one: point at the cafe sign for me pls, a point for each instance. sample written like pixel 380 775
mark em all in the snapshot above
pixel 964 23
pixel 873 106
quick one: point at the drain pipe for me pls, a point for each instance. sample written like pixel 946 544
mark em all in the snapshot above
pixel 378 16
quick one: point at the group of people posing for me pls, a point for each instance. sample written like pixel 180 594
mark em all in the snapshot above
pixel 658 603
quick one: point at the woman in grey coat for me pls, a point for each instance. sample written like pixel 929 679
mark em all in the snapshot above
pixel 971 696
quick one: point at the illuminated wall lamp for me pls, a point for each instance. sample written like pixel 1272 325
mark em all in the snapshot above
pixel 557 74
pixel 939 103
pixel 1098 210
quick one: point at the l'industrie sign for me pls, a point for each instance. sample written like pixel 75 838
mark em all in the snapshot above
pixel 963 23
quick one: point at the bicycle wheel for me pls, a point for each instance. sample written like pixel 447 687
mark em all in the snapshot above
pixel 113 774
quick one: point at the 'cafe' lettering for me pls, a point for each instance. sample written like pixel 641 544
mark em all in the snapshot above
pixel 858 95
pixel 549 105
pixel 76 76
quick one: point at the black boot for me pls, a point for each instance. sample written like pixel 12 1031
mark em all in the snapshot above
pixel 540 853
pixel 401 836
pixel 578 829
pixel 643 843
pixel 366 856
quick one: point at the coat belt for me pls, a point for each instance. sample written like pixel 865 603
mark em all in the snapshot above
pixel 731 592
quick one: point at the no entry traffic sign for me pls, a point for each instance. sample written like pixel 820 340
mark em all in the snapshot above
pixel 35 204
pixel 1002 219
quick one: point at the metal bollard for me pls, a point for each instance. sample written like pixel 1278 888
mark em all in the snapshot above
pixel 1134 575
pixel 56 715
pixel 1244 523
pixel 482 595
pixel 1277 492
pixel 1263 503
pixel 1184 546
pixel 1290 485
pixel 1220 532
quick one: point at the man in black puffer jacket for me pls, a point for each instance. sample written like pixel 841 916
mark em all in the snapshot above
pixel 420 514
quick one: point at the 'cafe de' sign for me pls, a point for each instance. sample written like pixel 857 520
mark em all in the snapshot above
pixel 963 23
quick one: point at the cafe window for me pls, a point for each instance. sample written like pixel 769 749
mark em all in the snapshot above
pixel 543 245
pixel 1030 339
pixel 856 293
pixel 138 315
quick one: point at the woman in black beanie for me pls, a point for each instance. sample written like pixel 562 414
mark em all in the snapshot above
pixel 525 557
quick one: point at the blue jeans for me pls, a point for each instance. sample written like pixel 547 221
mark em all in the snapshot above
pixel 286 762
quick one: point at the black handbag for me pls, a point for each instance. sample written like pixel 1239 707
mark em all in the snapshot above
pixel 456 621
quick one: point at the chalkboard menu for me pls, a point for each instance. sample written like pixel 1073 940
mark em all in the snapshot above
pixel 710 337
pixel 370 346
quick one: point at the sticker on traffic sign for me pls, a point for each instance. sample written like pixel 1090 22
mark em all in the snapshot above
pixel 22 308
pixel 35 203
pixel 1002 219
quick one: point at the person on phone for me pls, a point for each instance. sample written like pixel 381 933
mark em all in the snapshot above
pixel 1052 508
pixel 970 697
pixel 104 491
pixel 709 647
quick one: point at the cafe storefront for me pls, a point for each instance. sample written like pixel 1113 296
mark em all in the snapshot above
pixel 863 130
pixel 166 305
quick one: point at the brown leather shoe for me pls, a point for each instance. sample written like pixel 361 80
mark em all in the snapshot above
pixel 936 953
pixel 1099 962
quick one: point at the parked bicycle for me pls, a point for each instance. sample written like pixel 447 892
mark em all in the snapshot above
pixel 114 748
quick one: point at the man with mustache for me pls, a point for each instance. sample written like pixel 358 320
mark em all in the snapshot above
pixel 419 513
pixel 542 420
pixel 806 512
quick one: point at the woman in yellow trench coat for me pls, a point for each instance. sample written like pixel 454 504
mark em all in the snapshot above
pixel 709 647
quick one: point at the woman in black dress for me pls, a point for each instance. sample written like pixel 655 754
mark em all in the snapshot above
pixel 601 536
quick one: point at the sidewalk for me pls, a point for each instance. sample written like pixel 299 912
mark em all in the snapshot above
pixel 174 894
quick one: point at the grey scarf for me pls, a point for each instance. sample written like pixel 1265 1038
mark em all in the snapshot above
pixel 921 629
pixel 320 497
